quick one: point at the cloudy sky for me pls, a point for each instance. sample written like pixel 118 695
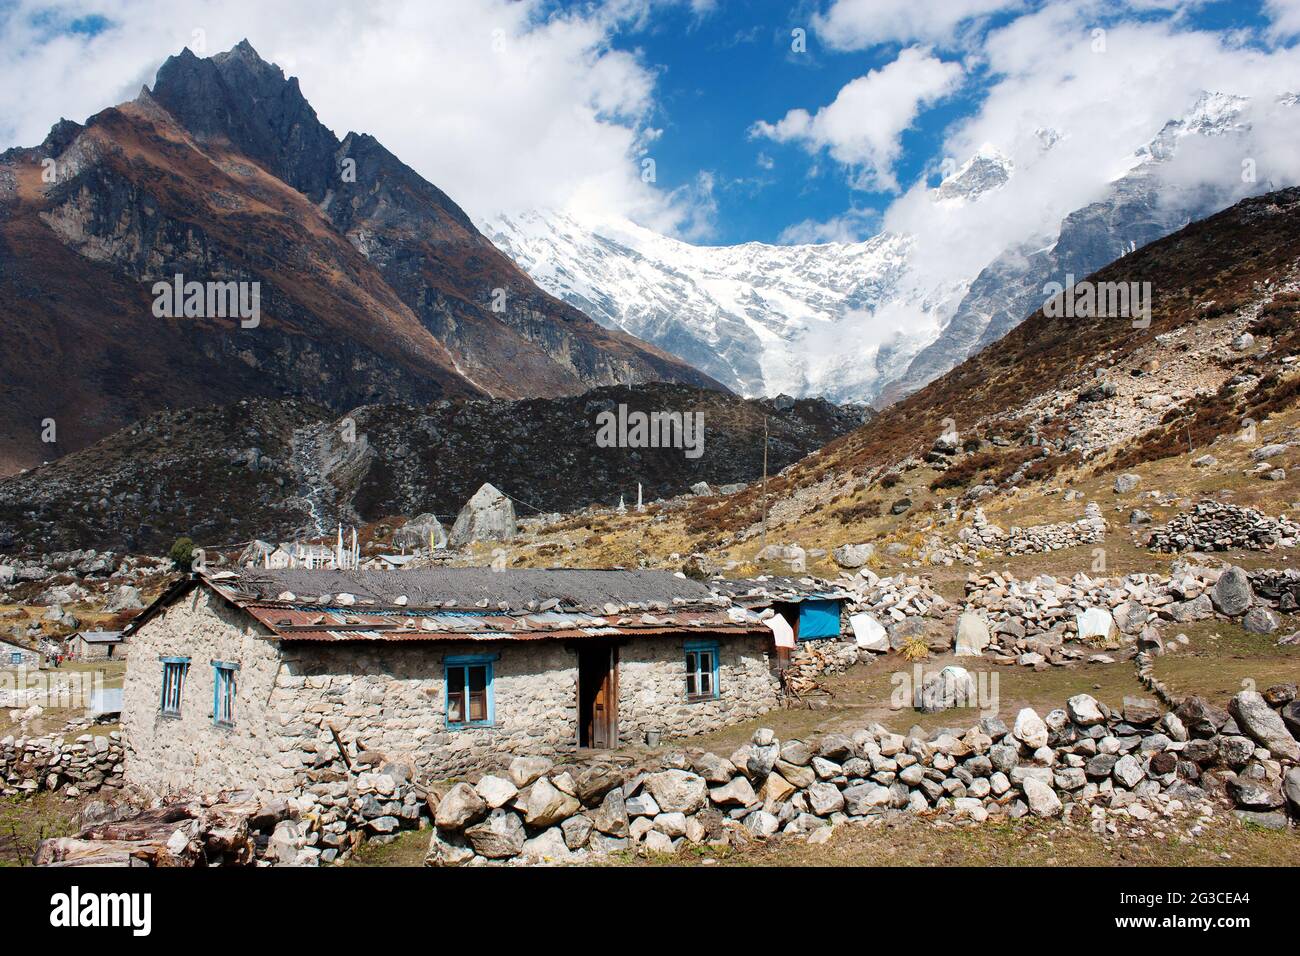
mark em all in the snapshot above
pixel 711 120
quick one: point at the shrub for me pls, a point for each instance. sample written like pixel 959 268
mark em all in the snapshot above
pixel 182 553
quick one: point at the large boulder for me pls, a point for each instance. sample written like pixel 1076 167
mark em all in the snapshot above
pixel 422 531
pixel 548 804
pixel 1029 729
pixel 459 808
pixel 524 770
pixel 678 791
pixel 1261 722
pixel 972 635
pixel 496 791
pixel 499 837
pixel 611 816
pixel 125 598
pixel 951 687
pixel 447 849
pixel 868 633
pixel 1232 594
pixel 488 516
pixel 1042 799
pixel 1096 624
pixel 853 555
pixel 1083 710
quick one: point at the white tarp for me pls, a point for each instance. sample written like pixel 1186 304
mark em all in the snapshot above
pixel 869 633
pixel 781 629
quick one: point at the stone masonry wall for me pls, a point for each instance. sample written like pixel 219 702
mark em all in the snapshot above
pixel 391 699
pixel 652 687
pixel 190 753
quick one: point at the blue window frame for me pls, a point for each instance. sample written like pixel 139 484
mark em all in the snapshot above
pixel 224 688
pixel 701 670
pixel 173 683
pixel 471 701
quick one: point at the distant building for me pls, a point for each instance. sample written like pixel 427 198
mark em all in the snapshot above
pixel 96 646
pixel 18 655
pixel 252 679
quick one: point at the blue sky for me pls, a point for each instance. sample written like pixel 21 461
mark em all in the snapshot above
pixel 721 70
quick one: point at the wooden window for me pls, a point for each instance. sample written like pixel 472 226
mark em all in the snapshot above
pixel 173 682
pixel 470 700
pixel 701 671
pixel 224 687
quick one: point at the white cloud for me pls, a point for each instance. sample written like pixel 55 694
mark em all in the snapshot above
pixel 862 128
pixel 851 226
pixel 504 105
pixel 857 24
pixel 1101 107
pixel 1285 16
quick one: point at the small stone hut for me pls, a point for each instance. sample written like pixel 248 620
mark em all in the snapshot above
pixel 262 678
pixel 96 646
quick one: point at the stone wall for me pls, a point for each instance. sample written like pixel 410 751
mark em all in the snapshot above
pixel 190 753
pixel 83 765
pixel 1082 760
pixel 1090 529
pixel 390 699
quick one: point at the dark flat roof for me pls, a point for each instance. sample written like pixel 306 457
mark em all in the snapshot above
pixel 517 589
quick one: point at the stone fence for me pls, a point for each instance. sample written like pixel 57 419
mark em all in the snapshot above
pixel 1080 759
pixel 1217 526
pixel 1035 539
pixel 84 765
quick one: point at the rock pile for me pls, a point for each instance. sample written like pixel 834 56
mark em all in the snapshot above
pixel 1090 529
pixel 893 599
pixel 1082 755
pixel 84 765
pixel 1216 526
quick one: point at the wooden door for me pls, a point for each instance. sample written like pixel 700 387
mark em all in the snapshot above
pixel 598 696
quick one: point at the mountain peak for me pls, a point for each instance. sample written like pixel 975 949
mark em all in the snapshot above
pixel 239 97
pixel 986 170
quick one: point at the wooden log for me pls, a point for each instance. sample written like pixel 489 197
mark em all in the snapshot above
pixel 70 851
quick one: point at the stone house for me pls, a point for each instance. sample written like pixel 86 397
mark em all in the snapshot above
pixel 261 678
pixel 96 646
pixel 18 655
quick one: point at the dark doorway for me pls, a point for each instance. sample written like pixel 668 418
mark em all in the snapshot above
pixel 598 696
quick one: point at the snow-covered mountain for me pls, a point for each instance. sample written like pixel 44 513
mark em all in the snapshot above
pixel 874 320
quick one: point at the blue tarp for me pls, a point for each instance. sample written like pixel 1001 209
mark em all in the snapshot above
pixel 819 619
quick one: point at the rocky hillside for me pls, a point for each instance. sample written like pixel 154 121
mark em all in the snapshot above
pixel 275 469
pixel 373 284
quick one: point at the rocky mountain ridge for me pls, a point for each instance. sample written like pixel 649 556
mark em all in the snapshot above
pixel 372 284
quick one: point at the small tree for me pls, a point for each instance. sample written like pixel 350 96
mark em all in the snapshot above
pixel 182 553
